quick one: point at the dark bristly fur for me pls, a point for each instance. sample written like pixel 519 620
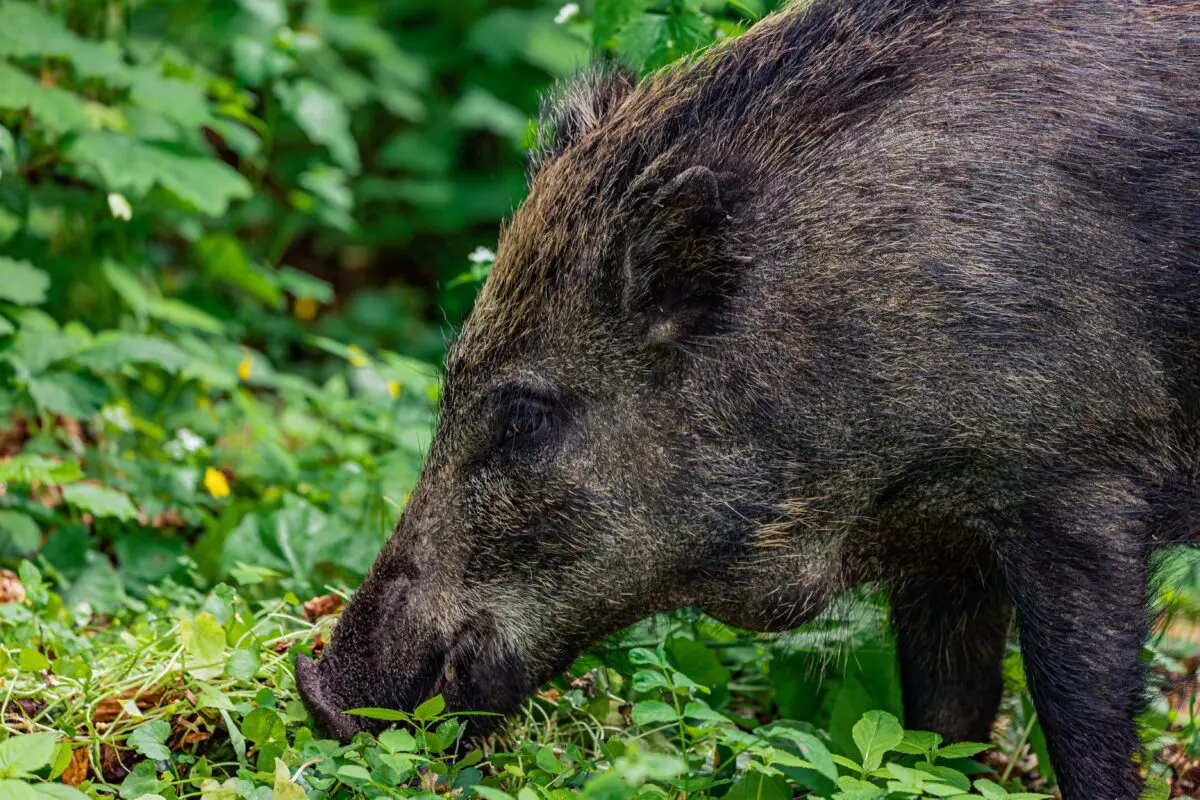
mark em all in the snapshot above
pixel 894 291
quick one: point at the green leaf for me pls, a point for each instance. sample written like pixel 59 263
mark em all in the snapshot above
pixel 100 501
pixel 21 282
pixel 23 755
pixel 652 712
pixel 385 714
pixel 430 709
pixel 31 660
pixel 150 739
pixel 546 760
pixel 112 350
pixel 962 750
pixel 613 15
pixel 243 664
pixel 756 786
pixel 225 259
pixel 490 792
pixel 59 110
pixel 479 109
pixel 142 780
pixel 29 468
pixel 323 118
pixel 203 639
pixel 855 789
pixel 27 31
pixel 66 393
pixel 128 165
pixel 19 534
pixel 398 741
pixel 875 734
pixel 263 726
pixel 918 743
pixel 353 772
pixel 284 788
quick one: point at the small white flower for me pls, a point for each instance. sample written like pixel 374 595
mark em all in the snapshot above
pixel 190 441
pixel 119 206
pixel 567 13
pixel 482 255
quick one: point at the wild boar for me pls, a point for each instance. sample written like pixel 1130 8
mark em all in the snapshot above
pixel 900 292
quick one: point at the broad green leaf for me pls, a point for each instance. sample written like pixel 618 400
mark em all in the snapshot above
pixel 69 394
pixel 875 734
pixel 613 15
pixel 19 534
pixel 225 259
pixel 263 726
pixel 323 118
pixel 26 31
pixel 127 165
pixel 430 709
pixel 243 664
pixel 21 282
pixel 100 501
pixel 918 743
pixel 855 789
pixel 150 738
pixel 30 660
pixel 141 781
pixel 479 109
pixel 398 741
pixel 353 772
pixel 59 110
pixel 180 101
pixel 112 350
pixel 546 760
pixel 26 754
pixel 56 791
pixel 756 786
pixel 652 712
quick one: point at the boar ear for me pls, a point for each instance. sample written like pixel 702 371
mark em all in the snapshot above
pixel 677 263
pixel 571 109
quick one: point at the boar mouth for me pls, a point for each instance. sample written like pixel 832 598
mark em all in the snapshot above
pixel 473 673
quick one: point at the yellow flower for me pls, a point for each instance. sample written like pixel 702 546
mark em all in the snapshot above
pixel 245 367
pixel 394 388
pixel 306 308
pixel 358 356
pixel 216 482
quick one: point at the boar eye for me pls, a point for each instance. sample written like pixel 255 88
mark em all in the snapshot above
pixel 524 419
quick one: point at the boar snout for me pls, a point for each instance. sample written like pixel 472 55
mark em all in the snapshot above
pixel 325 705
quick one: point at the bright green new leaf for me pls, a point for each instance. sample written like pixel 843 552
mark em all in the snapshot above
pixel 203 640
pixel 263 726
pixel 100 501
pixel 150 740
pixel 385 714
pixel 31 660
pixel 25 754
pixel 353 772
pixel 430 709
pixel 962 750
pixel 398 741
pixel 875 734
pixel 490 792
pixel 21 282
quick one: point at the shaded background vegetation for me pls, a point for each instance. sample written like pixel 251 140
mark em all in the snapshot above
pixel 235 236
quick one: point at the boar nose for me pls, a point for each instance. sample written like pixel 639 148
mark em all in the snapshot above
pixel 324 705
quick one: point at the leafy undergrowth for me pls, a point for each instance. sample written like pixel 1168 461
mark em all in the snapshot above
pixel 193 695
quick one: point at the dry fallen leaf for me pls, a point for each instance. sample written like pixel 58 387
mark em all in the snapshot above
pixel 11 588
pixel 77 771
pixel 322 606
